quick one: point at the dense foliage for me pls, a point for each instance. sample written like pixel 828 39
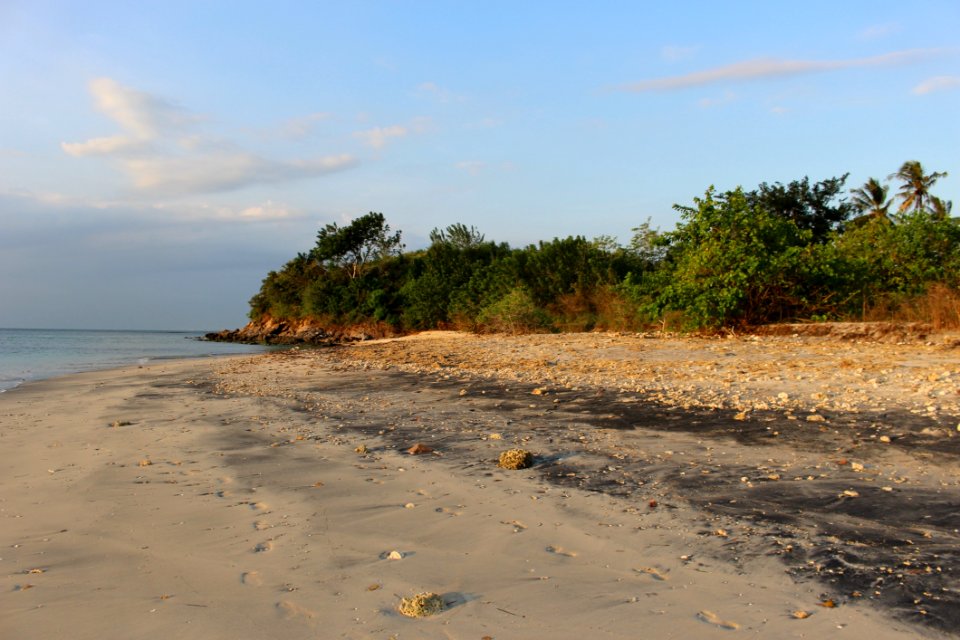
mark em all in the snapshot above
pixel 795 252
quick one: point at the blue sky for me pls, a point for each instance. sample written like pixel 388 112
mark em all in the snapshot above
pixel 158 158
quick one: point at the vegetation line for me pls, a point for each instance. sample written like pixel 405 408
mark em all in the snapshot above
pixel 795 252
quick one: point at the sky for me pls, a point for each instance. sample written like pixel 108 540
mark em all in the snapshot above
pixel 158 159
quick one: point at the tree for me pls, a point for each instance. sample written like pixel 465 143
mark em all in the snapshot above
pixel 915 187
pixel 732 262
pixel 941 209
pixel 871 200
pixel 457 235
pixel 811 208
pixel 354 246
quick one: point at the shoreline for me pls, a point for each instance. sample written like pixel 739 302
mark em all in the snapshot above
pixel 234 504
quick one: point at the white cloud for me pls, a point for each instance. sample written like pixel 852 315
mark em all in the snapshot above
pixel 302 126
pixel 726 98
pixel 673 53
pixel 377 137
pixel 877 31
pixel 764 68
pixel 438 93
pixel 473 167
pixel 163 156
pixel 213 171
pixel 937 83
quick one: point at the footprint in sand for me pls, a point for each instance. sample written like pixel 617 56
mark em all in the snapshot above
pixel 263 547
pixel 260 525
pixel 259 506
pixel 294 610
pixel 711 618
pixel 252 578
pixel 654 572
pixel 560 551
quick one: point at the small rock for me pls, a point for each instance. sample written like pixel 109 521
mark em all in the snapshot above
pixel 419 449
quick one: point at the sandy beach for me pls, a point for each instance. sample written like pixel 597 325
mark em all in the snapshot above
pixel 770 487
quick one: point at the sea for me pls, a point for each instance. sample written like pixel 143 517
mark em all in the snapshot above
pixel 34 354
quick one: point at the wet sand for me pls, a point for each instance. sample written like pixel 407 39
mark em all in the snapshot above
pixel 228 499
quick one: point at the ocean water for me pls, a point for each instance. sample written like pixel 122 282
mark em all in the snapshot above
pixel 33 354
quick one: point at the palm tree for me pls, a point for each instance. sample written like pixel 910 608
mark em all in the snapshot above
pixel 941 209
pixel 871 200
pixel 915 189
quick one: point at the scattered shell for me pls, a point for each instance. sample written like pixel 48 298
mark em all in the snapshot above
pixel 800 614
pixel 421 605
pixel 495 436
pixel 373 587
pixel 515 459
pixel 362 449
pixel 409 505
pixel 887 438
pixel 721 533
pixel 849 493
pixel 146 462
pixel 395 555
pixel 828 604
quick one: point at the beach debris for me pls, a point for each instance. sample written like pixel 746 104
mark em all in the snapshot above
pixel 515 459
pixel 373 587
pixel 712 618
pixel 146 462
pixel 22 587
pixel 722 533
pixel 537 392
pixel 800 614
pixel 317 484
pixel 653 504
pixel 120 423
pixel 560 551
pixel 362 449
pixel 495 436
pixel 829 603
pixel 421 605
pixel 419 449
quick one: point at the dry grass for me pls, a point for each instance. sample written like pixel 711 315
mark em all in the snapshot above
pixel 939 307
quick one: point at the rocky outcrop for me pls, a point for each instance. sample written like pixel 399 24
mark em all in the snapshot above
pixel 268 330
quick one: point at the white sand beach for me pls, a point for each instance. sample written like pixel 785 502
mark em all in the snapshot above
pixel 227 499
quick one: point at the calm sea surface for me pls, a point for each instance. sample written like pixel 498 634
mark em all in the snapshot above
pixel 32 354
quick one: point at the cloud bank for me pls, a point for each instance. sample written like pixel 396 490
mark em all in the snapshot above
pixel 162 155
pixel 769 68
